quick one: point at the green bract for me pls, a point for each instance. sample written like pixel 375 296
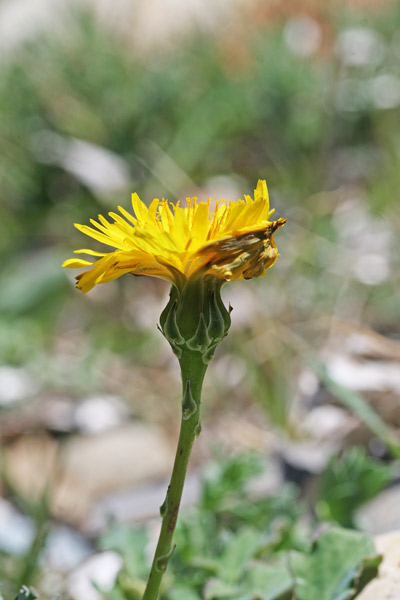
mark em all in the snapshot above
pixel 196 317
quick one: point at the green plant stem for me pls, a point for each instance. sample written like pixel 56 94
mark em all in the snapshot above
pixel 192 370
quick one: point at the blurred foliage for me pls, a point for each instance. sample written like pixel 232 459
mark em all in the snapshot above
pixel 17 569
pixel 237 547
pixel 26 593
pixel 239 543
pixel 336 567
pixel 348 482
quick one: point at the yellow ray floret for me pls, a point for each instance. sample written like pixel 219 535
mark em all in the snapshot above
pixel 231 242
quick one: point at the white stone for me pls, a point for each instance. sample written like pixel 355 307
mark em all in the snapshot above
pixel 15 385
pixel 381 514
pixel 364 375
pixel 358 46
pixel 100 570
pixel 95 465
pixel 387 585
pixel 385 91
pixel 65 549
pixel 302 35
pixel 16 530
pixel 99 413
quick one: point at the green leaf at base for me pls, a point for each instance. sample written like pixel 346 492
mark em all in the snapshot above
pixel 337 566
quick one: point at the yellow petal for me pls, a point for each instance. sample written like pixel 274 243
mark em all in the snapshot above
pixel 90 252
pixel 98 236
pixel 139 207
pixel 76 263
pixel 127 215
pixel 261 191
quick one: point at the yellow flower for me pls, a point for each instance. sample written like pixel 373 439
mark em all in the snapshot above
pixel 177 242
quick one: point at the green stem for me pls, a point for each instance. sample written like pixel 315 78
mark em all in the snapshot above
pixel 192 370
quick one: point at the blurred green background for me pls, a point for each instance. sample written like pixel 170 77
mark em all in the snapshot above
pixel 96 104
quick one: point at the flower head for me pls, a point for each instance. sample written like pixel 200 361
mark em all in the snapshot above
pixel 178 243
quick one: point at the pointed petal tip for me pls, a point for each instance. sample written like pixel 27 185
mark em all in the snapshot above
pixel 135 198
pixel 76 263
pixel 261 191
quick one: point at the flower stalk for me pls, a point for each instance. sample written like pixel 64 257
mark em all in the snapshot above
pixel 194 321
pixel 193 370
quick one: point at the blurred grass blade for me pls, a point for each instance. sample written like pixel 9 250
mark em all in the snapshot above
pixel 34 281
pixel 358 406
